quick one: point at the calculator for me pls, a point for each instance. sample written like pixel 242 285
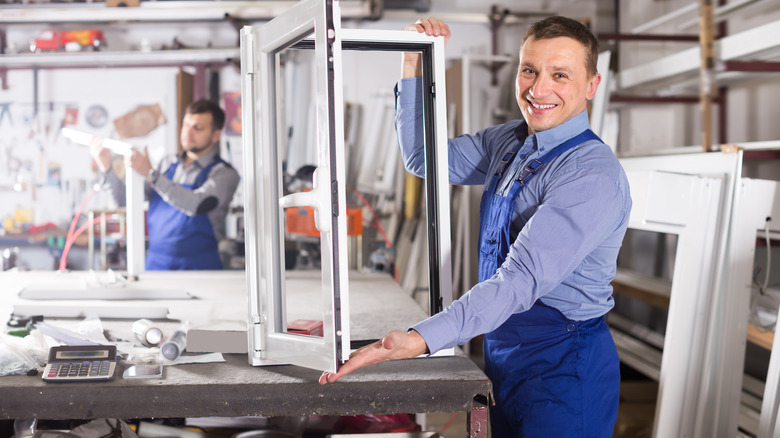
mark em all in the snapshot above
pixel 82 363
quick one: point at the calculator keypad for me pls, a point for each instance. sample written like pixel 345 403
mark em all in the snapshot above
pixel 84 370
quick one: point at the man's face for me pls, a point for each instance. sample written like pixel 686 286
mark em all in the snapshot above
pixel 197 133
pixel 553 84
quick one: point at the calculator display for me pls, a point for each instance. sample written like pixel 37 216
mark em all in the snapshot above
pixel 82 354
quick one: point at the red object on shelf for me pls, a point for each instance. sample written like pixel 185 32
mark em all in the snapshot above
pixel 60 39
pixel 38 228
pixel 305 327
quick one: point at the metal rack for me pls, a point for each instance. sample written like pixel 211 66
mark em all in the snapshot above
pixel 171 11
pixel 119 59
pixel 117 215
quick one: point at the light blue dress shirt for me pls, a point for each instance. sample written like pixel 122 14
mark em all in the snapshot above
pixel 566 231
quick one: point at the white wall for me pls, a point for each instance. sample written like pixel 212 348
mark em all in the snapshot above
pixel 34 151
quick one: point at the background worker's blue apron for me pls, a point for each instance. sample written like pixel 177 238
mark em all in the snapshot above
pixel 178 241
pixel 551 376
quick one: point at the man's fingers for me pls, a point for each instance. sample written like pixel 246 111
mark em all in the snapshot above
pixel 324 377
pixel 394 345
pixel 431 26
pixel 368 355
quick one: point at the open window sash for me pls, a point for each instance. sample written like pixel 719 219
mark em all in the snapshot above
pixel 314 24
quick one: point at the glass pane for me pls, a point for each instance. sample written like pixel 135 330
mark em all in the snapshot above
pixel 387 220
pixel 270 193
pixel 303 258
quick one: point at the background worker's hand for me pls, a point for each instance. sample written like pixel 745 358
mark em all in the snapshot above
pixel 431 26
pixel 395 345
pixel 139 162
pixel 101 155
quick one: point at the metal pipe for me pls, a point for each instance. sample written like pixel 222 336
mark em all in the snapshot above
pixel 750 66
pixel 647 37
pixel 654 99
pixel 120 59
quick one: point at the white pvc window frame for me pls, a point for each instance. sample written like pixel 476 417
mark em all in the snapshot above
pixel 264 205
pixel 688 206
pixel 743 205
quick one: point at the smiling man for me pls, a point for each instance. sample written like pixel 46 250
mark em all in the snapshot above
pixel 189 194
pixel 552 218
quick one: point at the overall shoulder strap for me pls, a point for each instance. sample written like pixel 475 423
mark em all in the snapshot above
pixel 530 170
pixel 204 174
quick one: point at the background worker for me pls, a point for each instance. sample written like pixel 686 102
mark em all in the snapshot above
pixel 553 215
pixel 188 194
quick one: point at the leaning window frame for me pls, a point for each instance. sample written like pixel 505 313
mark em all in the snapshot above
pixel 267 341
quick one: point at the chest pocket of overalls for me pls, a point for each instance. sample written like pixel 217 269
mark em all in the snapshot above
pixel 489 244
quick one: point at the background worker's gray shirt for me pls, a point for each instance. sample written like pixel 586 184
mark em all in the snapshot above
pixel 212 198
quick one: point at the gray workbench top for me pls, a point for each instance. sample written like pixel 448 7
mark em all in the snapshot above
pixel 234 388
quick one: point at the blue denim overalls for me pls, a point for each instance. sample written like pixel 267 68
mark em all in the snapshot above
pixel 178 241
pixel 551 376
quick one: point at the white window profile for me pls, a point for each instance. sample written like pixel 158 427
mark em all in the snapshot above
pixel 314 25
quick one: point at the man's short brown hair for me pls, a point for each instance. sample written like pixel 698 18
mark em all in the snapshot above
pixel 206 106
pixel 558 26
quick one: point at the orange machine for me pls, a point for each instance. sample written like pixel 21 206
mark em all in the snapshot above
pixel 300 220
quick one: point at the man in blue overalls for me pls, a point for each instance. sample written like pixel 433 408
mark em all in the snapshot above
pixel 189 194
pixel 553 215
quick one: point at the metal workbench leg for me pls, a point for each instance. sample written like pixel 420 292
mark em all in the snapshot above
pixel 477 421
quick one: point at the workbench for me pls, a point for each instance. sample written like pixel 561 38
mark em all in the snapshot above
pixel 234 388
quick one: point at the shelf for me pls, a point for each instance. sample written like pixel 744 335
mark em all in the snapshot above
pixel 119 59
pixel 682 68
pixel 651 290
pixel 170 11
pixel 755 146
pixel 759 338
pixel 721 13
pixel 637 354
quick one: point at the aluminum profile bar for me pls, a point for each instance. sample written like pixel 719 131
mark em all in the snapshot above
pixel 134 196
pixel 136 227
pixel 663 19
